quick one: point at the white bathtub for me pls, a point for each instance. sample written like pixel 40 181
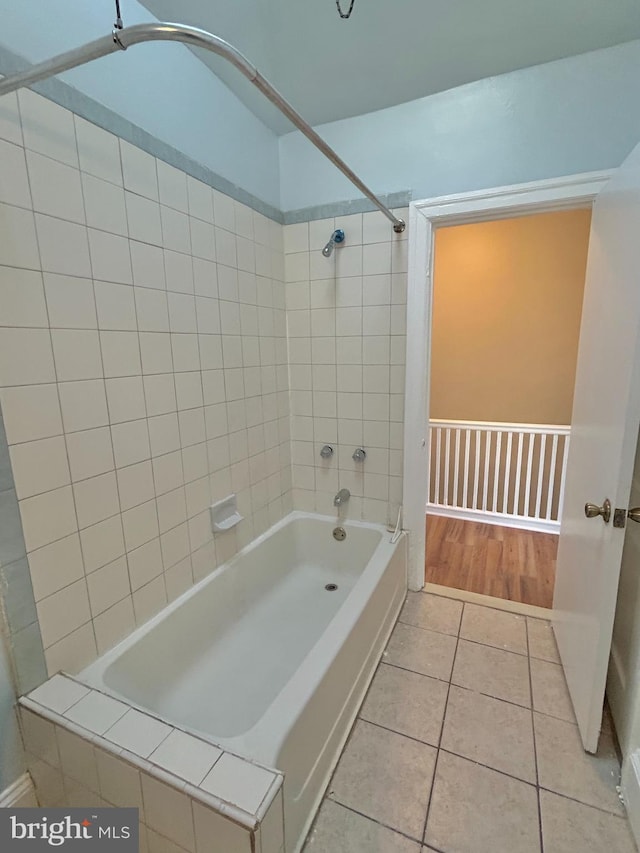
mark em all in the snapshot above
pixel 261 659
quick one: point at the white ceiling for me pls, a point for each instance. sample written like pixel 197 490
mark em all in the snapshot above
pixel 392 51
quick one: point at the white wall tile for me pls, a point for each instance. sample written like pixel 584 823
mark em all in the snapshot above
pixel 116 306
pixel 64 246
pixel 145 563
pixel 22 296
pixel 112 626
pixel 48 128
pixel 97 713
pixel 202 240
pixel 19 248
pixel 96 499
pixel 210 824
pixel 239 782
pixel 164 434
pixel 77 354
pixel 182 312
pixel 139 171
pixel 130 442
pixel 102 543
pixel 141 734
pixel 59 693
pixel 121 354
pixel 125 399
pixel 151 310
pixel 25 357
pixel 143 216
pixel 10 128
pixel 14 182
pixel 108 585
pixel 90 453
pixel 135 484
pixel 63 612
pixel 175 230
pixel 70 302
pixel 73 652
pixel 160 394
pixel 84 404
pixel 55 566
pixel 98 151
pixel 200 197
pixel 140 524
pixel 56 188
pixel 39 466
pixel 31 412
pixel 147 263
pixel 169 812
pixel 173 187
pixel 205 278
pixel 178 268
pixel 48 517
pixel 104 205
pixel 110 259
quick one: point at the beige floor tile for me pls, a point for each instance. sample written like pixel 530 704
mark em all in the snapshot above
pixel 422 651
pixel 339 830
pixel 385 776
pixel 406 702
pixel 565 768
pixel 494 672
pixel 491 732
pixel 432 611
pixel 494 628
pixel 477 810
pixel 550 694
pixel 570 827
pixel 542 643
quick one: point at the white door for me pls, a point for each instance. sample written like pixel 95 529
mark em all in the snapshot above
pixel 604 430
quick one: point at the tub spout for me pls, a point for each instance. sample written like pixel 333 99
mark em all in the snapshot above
pixel 342 497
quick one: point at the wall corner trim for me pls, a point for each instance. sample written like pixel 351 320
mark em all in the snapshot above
pixel 20 794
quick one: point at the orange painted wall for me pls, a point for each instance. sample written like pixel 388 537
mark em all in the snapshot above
pixel 506 318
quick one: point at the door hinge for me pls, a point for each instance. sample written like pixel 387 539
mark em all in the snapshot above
pixel 619 517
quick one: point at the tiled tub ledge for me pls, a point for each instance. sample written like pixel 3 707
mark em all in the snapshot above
pixel 88 749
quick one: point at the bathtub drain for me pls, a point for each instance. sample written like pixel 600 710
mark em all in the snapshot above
pixel 331 587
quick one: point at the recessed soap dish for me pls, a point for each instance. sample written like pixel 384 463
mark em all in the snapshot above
pixel 224 514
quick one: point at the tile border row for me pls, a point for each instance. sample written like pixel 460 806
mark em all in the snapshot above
pixel 244 818
pixel 86 107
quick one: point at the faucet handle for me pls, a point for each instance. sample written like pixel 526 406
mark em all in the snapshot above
pixel 326 452
pixel 359 454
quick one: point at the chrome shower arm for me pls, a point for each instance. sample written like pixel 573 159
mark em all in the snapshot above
pixel 121 39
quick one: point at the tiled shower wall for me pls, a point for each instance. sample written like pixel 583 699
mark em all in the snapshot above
pixel 143 373
pixel 346 321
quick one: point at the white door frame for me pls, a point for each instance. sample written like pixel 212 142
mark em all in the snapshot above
pixel 424 217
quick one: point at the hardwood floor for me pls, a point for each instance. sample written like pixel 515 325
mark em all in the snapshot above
pixel 518 565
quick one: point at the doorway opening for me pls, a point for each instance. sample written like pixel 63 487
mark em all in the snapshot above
pixel 505 322
pixel 426 218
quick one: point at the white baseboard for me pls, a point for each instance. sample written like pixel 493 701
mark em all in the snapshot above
pixel 21 794
pixel 630 784
pixel 540 525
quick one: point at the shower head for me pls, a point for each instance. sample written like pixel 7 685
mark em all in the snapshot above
pixel 336 237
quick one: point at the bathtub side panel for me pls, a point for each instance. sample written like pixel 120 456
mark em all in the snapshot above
pixel 313 745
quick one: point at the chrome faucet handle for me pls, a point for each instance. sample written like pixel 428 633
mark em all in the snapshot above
pixel 326 452
pixel 359 454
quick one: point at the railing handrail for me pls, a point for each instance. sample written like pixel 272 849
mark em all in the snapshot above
pixel 502 426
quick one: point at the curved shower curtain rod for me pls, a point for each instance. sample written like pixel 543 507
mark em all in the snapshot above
pixel 121 39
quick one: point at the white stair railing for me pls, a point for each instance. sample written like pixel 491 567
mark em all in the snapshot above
pixel 501 473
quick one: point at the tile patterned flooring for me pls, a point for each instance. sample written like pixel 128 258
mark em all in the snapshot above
pixel 466 743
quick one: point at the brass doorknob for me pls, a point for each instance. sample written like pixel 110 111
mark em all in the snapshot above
pixel 593 511
pixel 634 514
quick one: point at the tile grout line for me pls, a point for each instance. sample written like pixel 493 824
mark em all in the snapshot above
pixel 533 733
pixel 444 717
